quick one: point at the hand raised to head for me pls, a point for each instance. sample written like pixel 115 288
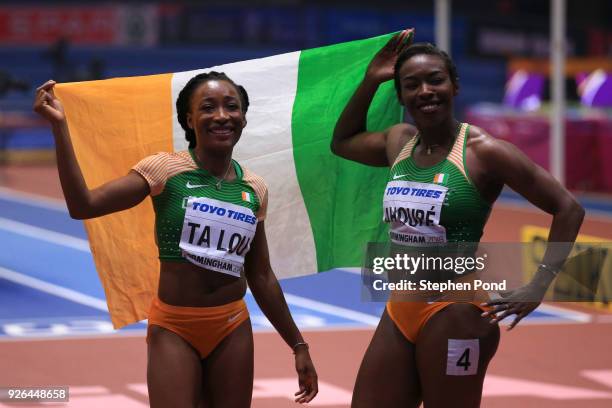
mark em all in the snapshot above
pixel 382 65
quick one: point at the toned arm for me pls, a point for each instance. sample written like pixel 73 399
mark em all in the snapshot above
pixel 351 140
pixel 510 166
pixel 116 195
pixel 269 297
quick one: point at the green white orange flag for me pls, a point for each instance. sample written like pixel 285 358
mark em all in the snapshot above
pixel 322 209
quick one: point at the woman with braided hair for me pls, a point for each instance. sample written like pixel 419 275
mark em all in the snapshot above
pixel 209 222
pixel 437 352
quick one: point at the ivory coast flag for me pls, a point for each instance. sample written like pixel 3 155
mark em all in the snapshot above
pixel 322 209
pixel 440 178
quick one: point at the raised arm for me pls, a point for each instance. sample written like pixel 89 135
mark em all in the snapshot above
pixel 269 297
pixel 116 195
pixel 540 188
pixel 351 140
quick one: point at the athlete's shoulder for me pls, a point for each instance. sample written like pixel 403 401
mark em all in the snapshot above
pixel 181 156
pixel 159 167
pixel 482 143
pixel 170 163
pixel 492 152
pixel 401 133
pixel 258 184
pixel 477 136
pixel 398 136
pixel 167 157
pixel 250 177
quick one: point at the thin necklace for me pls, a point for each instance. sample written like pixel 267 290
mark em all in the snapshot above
pixel 222 179
pixel 431 146
pixel 219 180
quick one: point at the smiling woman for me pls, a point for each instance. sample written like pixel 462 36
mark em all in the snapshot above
pixel 435 73
pixel 209 225
pixel 438 352
pixel 217 93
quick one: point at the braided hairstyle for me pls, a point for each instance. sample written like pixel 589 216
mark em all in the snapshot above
pixel 423 48
pixel 184 99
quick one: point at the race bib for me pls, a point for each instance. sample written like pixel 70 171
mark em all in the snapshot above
pixel 413 210
pixel 217 235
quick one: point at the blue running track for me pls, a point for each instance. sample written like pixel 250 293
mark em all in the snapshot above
pixel 49 286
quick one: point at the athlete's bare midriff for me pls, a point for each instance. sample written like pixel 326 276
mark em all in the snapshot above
pixel 185 284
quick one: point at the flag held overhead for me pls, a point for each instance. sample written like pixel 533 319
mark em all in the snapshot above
pixel 315 197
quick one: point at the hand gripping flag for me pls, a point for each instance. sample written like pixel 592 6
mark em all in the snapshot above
pixel 322 209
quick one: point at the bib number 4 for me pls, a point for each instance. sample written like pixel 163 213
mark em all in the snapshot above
pixel 464 360
pixel 462 357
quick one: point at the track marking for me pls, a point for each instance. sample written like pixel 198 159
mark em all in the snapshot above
pixel 499 386
pixel 601 376
pixel 329 395
pixel 52 289
pixel 322 307
pixel 42 234
pixel 263 388
pixel 35 200
pixel 332 310
pixel 95 389
pixel 118 334
pixel 349 269
pixel 92 396
pixel 573 315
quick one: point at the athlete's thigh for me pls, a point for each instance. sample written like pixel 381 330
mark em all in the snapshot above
pixel 387 376
pixel 228 370
pixel 453 351
pixel 174 370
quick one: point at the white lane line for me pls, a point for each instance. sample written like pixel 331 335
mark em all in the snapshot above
pixel 566 313
pixel 350 269
pixel 44 234
pixel 33 199
pixel 327 328
pixel 331 309
pixel 52 289
pixel 322 307
pixel 86 336
pixel 141 332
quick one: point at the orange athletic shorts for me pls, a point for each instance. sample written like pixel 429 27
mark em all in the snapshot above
pixel 202 327
pixel 411 317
